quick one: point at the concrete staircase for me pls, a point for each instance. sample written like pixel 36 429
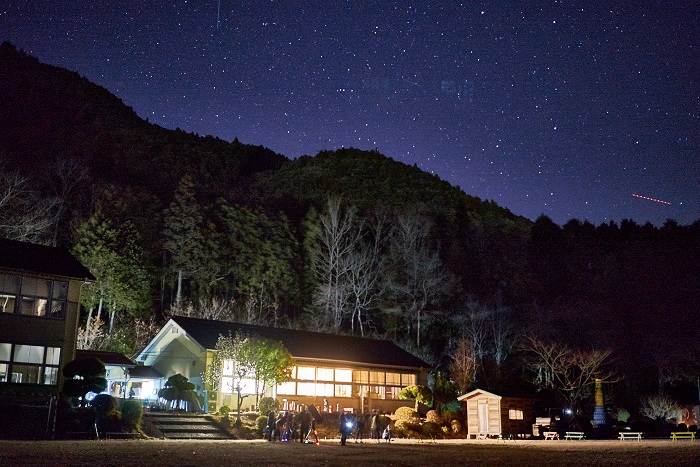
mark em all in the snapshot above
pixel 182 426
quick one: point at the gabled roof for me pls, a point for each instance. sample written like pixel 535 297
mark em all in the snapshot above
pixel 146 372
pixel 41 259
pixel 108 358
pixel 508 393
pixel 477 392
pixel 305 344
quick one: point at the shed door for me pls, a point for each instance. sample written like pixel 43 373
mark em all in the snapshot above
pixel 483 417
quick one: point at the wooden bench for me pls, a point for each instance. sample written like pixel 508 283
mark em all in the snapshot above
pixel 574 435
pixel 676 435
pixel 630 435
pixel 550 435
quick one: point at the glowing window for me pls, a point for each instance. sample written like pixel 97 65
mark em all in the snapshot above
pixel 343 390
pixel 53 355
pixel 515 414
pixel 376 377
pixel 361 377
pixel 29 354
pixel 287 388
pixel 408 379
pixel 306 389
pixel 227 385
pixel 324 389
pixel 393 379
pixel 306 372
pixel 324 374
pixel 343 376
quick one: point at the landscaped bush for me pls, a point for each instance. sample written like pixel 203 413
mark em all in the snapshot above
pixel 456 426
pixel 132 413
pixel 430 429
pixel 402 428
pixel 104 403
pixel 267 404
pixel 261 423
pixel 224 410
pixel 408 414
pixel 434 417
pixel 447 417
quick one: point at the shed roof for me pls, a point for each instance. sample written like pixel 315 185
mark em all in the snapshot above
pixel 306 344
pixel 41 259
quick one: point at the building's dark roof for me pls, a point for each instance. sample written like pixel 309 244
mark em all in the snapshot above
pixel 306 344
pixel 108 358
pixel 142 371
pixel 41 259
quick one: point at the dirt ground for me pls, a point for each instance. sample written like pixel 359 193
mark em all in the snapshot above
pixel 330 453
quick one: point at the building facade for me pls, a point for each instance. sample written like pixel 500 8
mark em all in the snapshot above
pixel 40 291
pixel 332 372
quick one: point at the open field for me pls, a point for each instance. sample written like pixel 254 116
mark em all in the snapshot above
pixel 398 453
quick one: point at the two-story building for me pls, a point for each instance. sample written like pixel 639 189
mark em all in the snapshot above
pixel 40 289
pixel 333 372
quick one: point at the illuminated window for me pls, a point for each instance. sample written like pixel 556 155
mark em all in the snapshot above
pixel 376 377
pixel 324 389
pixel 515 414
pixel 29 364
pixel 33 296
pixel 408 379
pixel 287 388
pixel 343 390
pixel 306 389
pixel 393 379
pixel 343 376
pixel 324 374
pixel 360 377
pixel 394 392
pixel 227 368
pixel 306 372
pixel 380 391
pixel 227 385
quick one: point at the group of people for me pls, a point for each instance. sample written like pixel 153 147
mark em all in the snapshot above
pixel 379 427
pixel 292 426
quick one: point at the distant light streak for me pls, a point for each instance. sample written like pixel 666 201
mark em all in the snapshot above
pixel 650 199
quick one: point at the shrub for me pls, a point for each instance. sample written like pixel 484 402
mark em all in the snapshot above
pixel 402 428
pixel 267 404
pixel 433 417
pixel 104 403
pixel 224 410
pixel 261 423
pixel 132 413
pixel 456 426
pixel 622 415
pixel 430 429
pixel 408 414
pixel 447 417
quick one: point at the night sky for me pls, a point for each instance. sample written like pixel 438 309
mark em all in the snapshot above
pixel 558 108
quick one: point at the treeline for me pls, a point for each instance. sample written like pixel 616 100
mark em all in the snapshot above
pixel 346 241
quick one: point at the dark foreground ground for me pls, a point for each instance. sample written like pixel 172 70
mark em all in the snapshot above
pixel 398 453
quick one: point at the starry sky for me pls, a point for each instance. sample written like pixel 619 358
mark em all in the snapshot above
pixel 561 108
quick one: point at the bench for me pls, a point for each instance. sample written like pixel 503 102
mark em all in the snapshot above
pixel 550 435
pixel 574 435
pixel 630 435
pixel 676 435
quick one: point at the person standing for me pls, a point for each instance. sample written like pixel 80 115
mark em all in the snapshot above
pixel 344 429
pixel 271 425
pixel 304 419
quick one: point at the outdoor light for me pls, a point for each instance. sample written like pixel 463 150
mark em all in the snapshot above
pixel 568 411
pixel 348 424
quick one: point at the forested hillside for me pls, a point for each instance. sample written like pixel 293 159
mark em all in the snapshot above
pixel 346 241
